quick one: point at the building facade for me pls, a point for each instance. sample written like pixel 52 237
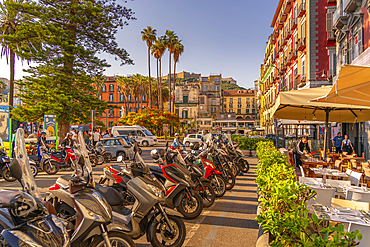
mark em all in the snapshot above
pixel 297 54
pixel 186 101
pixel 241 102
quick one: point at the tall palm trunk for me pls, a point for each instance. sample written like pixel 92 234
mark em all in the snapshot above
pixel 169 76
pixel 141 101
pixel 150 84
pixel 11 83
pixel 160 85
pixel 174 85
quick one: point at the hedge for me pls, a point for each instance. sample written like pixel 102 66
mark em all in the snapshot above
pixel 246 143
pixel 283 202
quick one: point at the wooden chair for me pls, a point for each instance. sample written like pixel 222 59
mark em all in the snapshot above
pixel 337 164
pixel 330 162
pixel 335 202
pixel 355 165
pixel 291 159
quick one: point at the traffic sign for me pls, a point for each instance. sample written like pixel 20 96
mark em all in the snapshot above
pixel 217 127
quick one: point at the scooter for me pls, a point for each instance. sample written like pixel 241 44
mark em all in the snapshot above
pixel 69 160
pixel 91 219
pixel 163 226
pixel 24 220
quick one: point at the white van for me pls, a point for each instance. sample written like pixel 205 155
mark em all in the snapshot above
pixel 140 134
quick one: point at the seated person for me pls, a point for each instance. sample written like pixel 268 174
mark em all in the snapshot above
pixel 177 143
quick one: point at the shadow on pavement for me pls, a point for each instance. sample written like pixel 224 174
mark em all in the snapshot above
pixel 231 222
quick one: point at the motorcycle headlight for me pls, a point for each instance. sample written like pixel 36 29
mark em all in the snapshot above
pixel 157 192
pixel 187 177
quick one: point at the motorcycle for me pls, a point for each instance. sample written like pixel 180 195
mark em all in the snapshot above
pixel 107 156
pixel 163 226
pixel 236 155
pixel 65 161
pixel 202 185
pixel 24 219
pixel 95 157
pixel 89 214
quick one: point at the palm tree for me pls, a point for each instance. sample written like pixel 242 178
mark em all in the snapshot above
pixel 149 35
pixel 158 51
pixel 9 21
pixel 135 90
pixel 170 42
pixel 179 49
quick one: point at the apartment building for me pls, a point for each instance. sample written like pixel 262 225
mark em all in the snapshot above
pixel 110 93
pixel 241 102
pixel 186 101
pixel 297 53
pixel 350 20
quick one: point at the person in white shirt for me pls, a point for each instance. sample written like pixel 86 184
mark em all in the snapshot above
pixel 96 137
pixel 347 145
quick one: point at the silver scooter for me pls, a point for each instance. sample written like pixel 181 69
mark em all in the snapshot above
pixel 24 219
pixel 92 219
pixel 162 226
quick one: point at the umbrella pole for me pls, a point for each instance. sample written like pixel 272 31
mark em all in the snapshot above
pixel 326 132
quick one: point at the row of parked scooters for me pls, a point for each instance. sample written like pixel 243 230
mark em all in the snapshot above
pixel 131 200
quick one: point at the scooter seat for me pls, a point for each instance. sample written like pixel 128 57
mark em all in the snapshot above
pixel 33 157
pixel 7 195
pixel 112 196
pixel 57 155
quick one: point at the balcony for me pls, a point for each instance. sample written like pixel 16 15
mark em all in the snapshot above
pixel 350 6
pixel 287 6
pixel 289 35
pixel 293 24
pixel 330 35
pixel 340 18
pixel 296 81
pixel 276 34
pixel 301 44
pixel 280 48
pixel 302 9
pixel 283 17
pixel 293 55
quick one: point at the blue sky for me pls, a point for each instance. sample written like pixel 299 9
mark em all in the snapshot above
pixel 227 37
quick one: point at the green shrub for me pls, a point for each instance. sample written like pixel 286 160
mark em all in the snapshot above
pixel 283 202
pixel 246 143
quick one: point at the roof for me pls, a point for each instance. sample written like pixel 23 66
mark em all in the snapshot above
pixel 277 13
pixel 239 92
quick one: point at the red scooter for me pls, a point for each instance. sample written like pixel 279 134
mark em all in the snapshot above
pixel 70 159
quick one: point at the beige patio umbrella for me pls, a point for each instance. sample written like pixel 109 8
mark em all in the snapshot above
pixel 298 105
pixel 352 87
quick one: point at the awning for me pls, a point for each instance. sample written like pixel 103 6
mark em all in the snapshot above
pixel 352 87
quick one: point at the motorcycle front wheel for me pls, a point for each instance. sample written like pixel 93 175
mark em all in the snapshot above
pixel 34 170
pixel 51 167
pixel 118 239
pixel 190 206
pixel 230 180
pixel 208 195
pixel 243 165
pixel 219 185
pixel 161 235
pixel 107 157
pixel 99 159
pixel 7 175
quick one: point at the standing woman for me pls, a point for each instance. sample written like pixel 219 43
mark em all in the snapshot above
pixel 347 145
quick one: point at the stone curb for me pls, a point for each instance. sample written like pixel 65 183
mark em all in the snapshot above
pixel 263 239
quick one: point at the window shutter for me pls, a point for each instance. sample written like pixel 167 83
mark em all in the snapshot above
pixel 329 21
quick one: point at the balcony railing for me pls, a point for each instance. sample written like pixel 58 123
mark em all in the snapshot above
pixel 339 17
pixel 287 6
pixel 302 9
pixel 351 5
pixel 293 24
pixel 330 35
pixel 302 44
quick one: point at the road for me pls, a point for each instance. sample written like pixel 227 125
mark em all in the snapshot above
pixel 229 222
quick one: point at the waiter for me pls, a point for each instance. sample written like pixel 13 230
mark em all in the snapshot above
pixel 302 149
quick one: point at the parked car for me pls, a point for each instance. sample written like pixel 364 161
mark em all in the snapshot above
pixel 192 138
pixel 115 145
pixel 143 136
pixel 269 136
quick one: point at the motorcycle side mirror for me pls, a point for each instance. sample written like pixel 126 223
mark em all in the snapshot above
pixel 119 158
pixel 16 170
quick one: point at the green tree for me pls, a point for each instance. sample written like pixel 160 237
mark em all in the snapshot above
pixel 232 87
pixel 170 41
pixel 158 50
pixel 149 36
pixel 124 84
pixel 72 33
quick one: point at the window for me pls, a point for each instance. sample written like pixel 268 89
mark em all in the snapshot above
pixel 304 67
pixel 121 98
pixel 224 106
pixel 111 113
pixel 248 105
pixel 110 97
pixel 303 31
pixel 201 100
pixel 231 106
pixel 231 100
pixel 204 79
pixel 104 88
pixel 110 123
pixel 225 99
pixel 217 80
pixel 213 102
pixel 100 97
pixel 213 109
pixel 185 114
pixel 204 88
pixel 111 88
pixel 101 114
pixel 239 111
pixel 185 99
pixel 143 98
pixel 239 100
pixel 217 88
pixel 239 106
pixel 247 111
pixel 230 110
pixel 129 97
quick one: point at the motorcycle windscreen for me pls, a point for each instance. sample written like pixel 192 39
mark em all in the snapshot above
pixel 2 148
pixel 87 168
pixel 230 141
pixel 130 152
pixel 21 155
pixel 208 139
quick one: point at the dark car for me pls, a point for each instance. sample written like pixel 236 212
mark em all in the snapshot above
pixel 115 145
pixel 270 136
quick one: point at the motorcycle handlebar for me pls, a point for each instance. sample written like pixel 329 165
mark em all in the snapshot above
pixel 8 205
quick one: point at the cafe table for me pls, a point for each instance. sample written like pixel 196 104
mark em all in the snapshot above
pixel 328 173
pixel 342 214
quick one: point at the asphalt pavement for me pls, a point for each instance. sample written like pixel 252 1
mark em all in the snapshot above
pixel 229 222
